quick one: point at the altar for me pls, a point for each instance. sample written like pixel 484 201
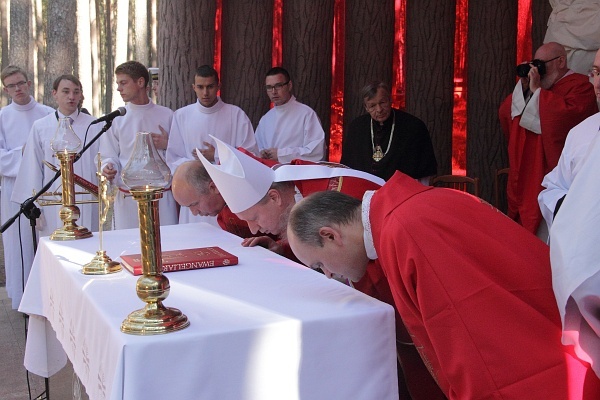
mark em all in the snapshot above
pixel 267 328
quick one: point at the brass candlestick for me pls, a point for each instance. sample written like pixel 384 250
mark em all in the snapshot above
pixel 65 143
pixel 147 175
pixel 102 264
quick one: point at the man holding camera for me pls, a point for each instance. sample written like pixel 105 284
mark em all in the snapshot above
pixel 548 100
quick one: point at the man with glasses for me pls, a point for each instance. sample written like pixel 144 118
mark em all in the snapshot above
pixel 16 120
pixel 548 100
pixel 193 124
pixel 386 140
pixel 290 130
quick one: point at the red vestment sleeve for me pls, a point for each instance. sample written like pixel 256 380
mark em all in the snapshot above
pixel 571 100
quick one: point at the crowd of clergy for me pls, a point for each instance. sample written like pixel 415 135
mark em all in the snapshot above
pixel 488 305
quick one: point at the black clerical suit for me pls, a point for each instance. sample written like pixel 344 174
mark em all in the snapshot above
pixel 410 149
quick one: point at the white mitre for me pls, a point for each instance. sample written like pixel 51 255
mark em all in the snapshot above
pixel 241 180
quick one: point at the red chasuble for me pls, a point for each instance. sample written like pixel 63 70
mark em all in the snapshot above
pixel 474 290
pixel 531 156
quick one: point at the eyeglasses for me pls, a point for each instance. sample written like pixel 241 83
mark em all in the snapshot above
pixel 594 73
pixel 276 86
pixel 14 85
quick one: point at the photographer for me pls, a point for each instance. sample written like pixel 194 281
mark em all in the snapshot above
pixel 548 100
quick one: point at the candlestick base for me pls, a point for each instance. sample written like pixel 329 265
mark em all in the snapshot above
pixel 101 264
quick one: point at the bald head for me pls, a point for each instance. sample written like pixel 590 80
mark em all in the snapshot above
pixel 192 187
pixel 555 57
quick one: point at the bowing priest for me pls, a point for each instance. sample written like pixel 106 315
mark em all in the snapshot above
pixel 264 197
pixel 33 174
pixel 472 287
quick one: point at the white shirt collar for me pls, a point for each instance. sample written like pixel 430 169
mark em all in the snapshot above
pixel 285 106
pixel 211 110
pixel 367 232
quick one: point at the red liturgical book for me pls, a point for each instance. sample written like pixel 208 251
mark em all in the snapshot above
pixel 181 260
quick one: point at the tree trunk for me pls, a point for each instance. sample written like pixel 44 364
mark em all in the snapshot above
pixel 491 77
pixel 186 40
pixel 247 42
pixel 39 42
pixel 107 66
pixel 84 51
pixel 307 50
pixel 121 43
pixel 369 50
pixel 430 71
pixel 153 24
pixel 60 52
pixel 95 61
pixel 142 53
pixel 540 13
pixel 4 40
pixel 20 30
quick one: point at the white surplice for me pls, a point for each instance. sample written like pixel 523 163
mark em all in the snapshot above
pixel 116 146
pixel 574 256
pixel 294 129
pixel 558 181
pixel 192 126
pixel 33 174
pixel 15 124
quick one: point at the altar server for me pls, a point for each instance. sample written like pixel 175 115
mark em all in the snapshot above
pixel 290 130
pixel 116 145
pixel 16 120
pixel 33 174
pixel 193 124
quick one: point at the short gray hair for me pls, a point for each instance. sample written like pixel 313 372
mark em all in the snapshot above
pixel 197 176
pixel 370 89
pixel 322 209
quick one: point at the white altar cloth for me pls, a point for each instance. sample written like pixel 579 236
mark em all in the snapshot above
pixel 267 328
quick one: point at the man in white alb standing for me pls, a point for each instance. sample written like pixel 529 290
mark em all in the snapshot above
pixel 33 174
pixel 16 120
pixel 116 145
pixel 290 130
pixel 193 124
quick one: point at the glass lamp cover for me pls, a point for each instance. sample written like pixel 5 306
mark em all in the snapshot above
pixel 146 169
pixel 65 139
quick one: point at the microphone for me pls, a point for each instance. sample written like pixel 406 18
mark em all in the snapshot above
pixel 109 117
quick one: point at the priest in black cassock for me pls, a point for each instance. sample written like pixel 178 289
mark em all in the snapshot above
pixel 387 139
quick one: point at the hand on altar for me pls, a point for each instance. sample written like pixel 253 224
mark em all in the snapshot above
pixel 208 152
pixel 109 172
pixel 263 241
pixel 269 154
pixel 161 140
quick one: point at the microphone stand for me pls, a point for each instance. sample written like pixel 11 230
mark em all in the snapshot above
pixel 32 212
pixel 28 208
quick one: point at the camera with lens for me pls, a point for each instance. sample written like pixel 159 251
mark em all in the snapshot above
pixel 523 69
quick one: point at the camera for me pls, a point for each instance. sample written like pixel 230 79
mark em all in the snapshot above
pixel 523 69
